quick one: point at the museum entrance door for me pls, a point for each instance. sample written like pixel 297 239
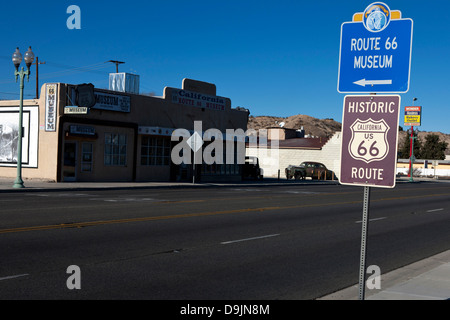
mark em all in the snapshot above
pixel 70 162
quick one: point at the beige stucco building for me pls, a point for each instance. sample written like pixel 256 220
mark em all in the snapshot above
pixel 124 137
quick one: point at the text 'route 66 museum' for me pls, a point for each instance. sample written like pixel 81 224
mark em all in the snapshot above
pixel 125 136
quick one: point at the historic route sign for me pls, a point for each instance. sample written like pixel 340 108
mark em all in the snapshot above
pixel 375 52
pixel 369 140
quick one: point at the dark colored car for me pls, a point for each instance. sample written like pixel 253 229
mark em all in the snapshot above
pixel 251 168
pixel 314 170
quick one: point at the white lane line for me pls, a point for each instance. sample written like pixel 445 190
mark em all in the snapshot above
pixel 376 219
pixel 435 210
pixel 250 239
pixel 14 277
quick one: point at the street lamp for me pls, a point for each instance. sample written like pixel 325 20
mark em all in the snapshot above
pixel 17 60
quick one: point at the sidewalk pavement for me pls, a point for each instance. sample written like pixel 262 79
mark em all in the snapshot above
pixel 428 279
pixel 6 184
pixel 45 185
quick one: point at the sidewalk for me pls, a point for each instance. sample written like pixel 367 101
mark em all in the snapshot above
pixel 6 184
pixel 428 279
pixel 44 185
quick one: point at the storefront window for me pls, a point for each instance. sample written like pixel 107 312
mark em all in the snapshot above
pixel 115 149
pixel 86 160
pixel 155 151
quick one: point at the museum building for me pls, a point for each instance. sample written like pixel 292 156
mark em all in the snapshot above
pixel 125 136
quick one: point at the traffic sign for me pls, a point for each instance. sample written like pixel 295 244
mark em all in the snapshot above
pixel 413 116
pixel 195 141
pixel 375 52
pixel 369 140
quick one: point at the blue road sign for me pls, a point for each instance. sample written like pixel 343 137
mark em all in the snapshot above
pixel 375 55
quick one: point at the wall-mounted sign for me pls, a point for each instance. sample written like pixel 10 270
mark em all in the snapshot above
pixel 196 99
pixel 76 110
pixel 112 102
pixel 85 95
pixel 50 107
pixel 82 130
pixel 9 134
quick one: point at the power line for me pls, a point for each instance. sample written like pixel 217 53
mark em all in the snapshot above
pixel 16 94
pixel 68 71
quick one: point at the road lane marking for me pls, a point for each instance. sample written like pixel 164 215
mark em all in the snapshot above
pixel 190 215
pixel 119 203
pixel 250 239
pixel 376 219
pixel 14 277
pixel 155 218
pixel 436 210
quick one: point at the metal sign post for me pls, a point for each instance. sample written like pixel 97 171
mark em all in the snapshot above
pixel 196 143
pixel 412 118
pixel 374 57
pixel 364 231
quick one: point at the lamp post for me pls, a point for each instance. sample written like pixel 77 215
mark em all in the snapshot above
pixel 17 60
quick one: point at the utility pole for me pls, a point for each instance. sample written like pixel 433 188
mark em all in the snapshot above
pixel 37 63
pixel 116 63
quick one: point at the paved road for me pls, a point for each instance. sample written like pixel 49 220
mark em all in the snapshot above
pixel 296 242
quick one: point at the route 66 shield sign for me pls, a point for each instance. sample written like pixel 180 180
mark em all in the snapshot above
pixel 369 140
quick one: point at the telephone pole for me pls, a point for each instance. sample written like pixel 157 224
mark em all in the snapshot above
pixel 117 64
pixel 37 63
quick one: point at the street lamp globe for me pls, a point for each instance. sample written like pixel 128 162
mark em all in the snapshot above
pixel 29 57
pixel 17 58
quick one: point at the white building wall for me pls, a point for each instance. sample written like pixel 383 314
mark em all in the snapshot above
pixel 426 172
pixel 272 160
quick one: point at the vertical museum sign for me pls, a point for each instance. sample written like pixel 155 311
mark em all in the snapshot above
pixel 50 107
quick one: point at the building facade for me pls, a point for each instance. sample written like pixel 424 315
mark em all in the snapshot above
pixel 284 148
pixel 123 137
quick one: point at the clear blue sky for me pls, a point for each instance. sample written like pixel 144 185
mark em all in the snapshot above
pixel 277 58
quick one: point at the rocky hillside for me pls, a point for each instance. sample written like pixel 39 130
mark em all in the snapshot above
pixel 312 126
pixel 322 127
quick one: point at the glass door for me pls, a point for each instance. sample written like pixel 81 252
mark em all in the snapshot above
pixel 70 162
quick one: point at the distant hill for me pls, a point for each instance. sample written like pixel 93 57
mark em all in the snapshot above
pixel 322 127
pixel 313 126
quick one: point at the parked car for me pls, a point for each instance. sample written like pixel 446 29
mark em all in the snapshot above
pixel 252 169
pixel 314 170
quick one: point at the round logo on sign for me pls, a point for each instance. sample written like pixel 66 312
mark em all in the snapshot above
pixel 376 17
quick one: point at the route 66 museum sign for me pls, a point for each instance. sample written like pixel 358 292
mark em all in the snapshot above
pixel 369 140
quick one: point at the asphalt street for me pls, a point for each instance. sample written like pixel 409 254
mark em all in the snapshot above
pixel 239 243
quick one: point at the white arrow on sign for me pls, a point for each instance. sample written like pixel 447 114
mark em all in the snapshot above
pixel 364 82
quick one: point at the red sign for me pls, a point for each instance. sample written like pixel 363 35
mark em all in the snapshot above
pixel 369 140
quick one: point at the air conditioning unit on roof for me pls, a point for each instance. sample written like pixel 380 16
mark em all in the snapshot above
pixel 124 82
